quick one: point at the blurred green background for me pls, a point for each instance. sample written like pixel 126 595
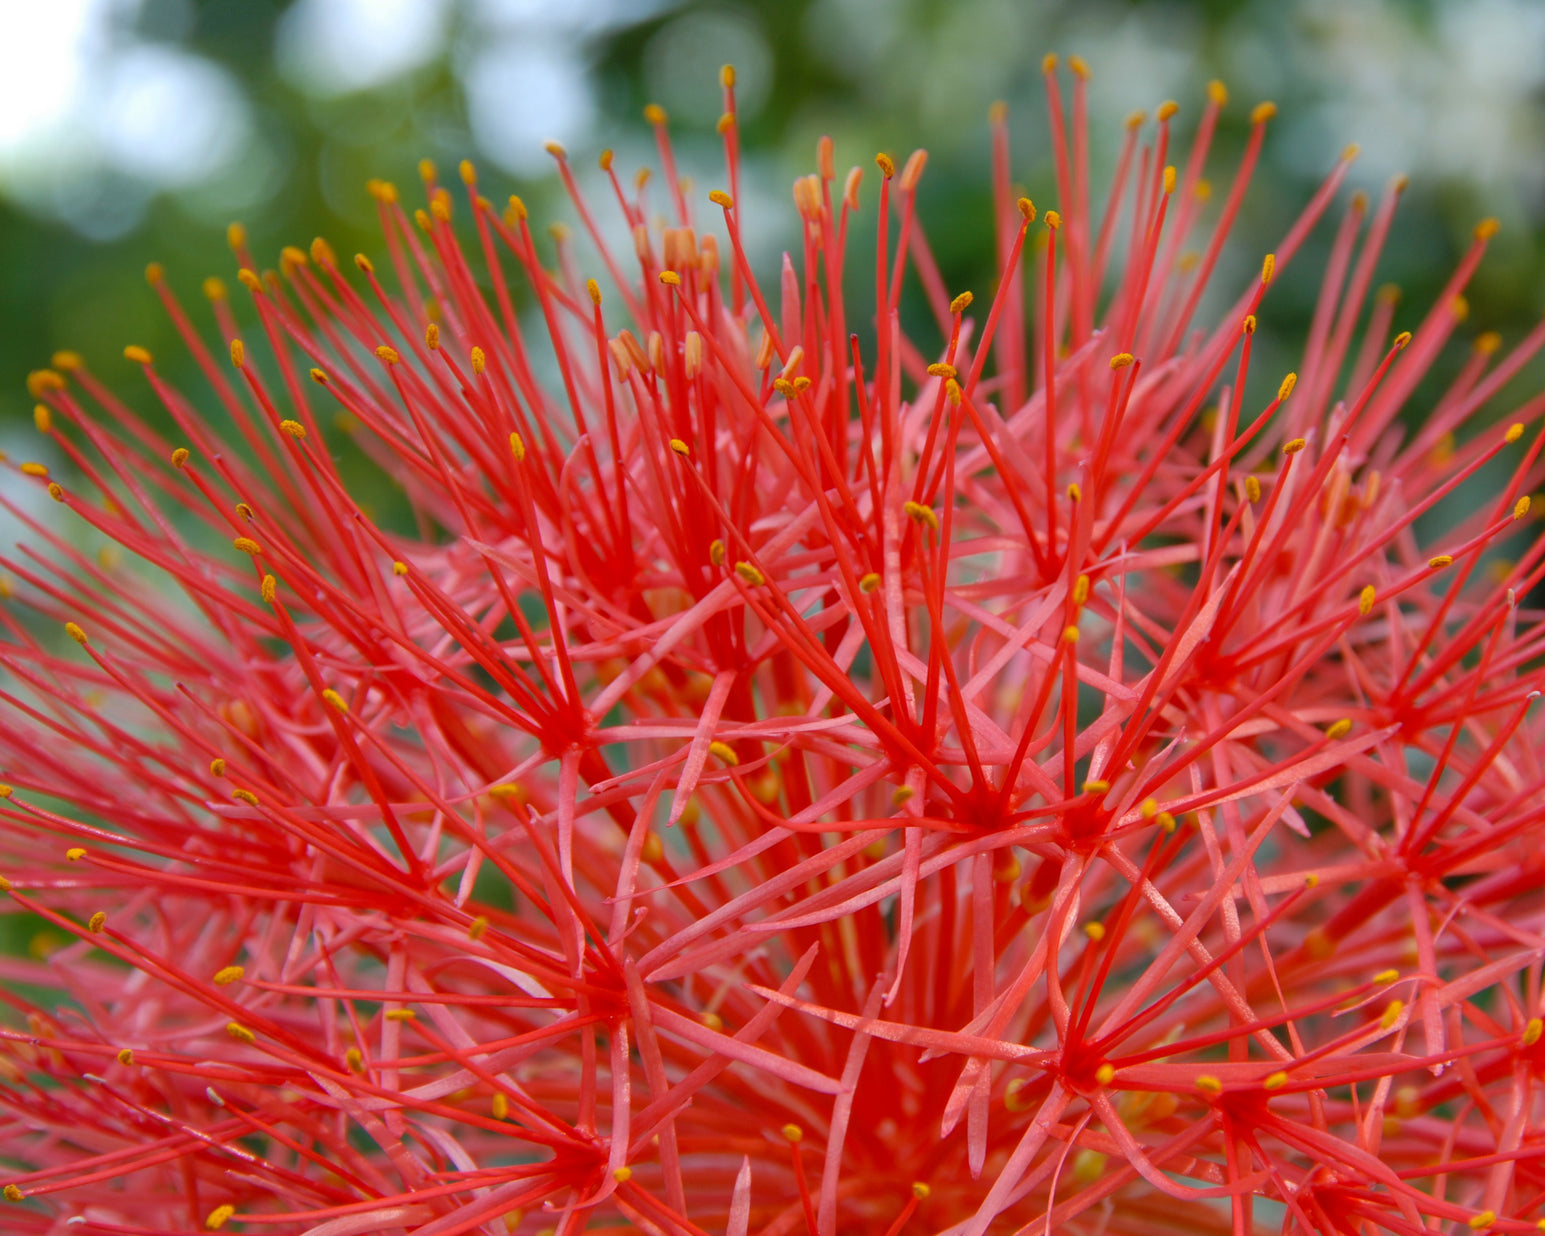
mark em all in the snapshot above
pixel 134 130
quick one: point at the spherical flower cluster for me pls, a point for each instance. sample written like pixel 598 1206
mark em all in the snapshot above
pixel 752 769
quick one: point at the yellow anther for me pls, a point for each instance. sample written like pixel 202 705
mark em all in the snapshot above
pixel 1149 808
pixel 654 114
pixel 227 975
pixel 622 1175
pixel 249 279
pixel 1080 595
pixel 240 1032
pixel 399 568
pixel 400 1015
pixel 1483 1220
pixel 1276 1081
pixel 477 928
pixel 1026 209
pixel 952 392
pixel 125 1056
pixel 886 164
pixel 1166 109
pixel 670 278
pixel 12 1193
pixel 1438 561
pixel 334 700
pixel 724 751
pixel 1252 489
pixel 217 767
pixel 354 1059
pixel 41 381
pixel 1095 931
pixel 1070 634
pixel 1209 1084
pixel 1053 220
pixel 961 303
pixel 1514 432
pixel 1286 387
pixel 56 491
pixel 1165 821
pixel 268 588
pixel 517 208
pixel 218 1216
pixel 680 447
pixel 499 1105
pixel 1121 360
pixel 245 796
pixel 34 469
pixel 432 337
pixel 1385 977
pixel 1532 1029
pixel 322 253
pixel 1075 494
pixel 1339 729
pixel 720 198
pixel 1217 92
pixel 74 632
pixel 1391 1014
pixel 247 545
pixel 793 1133
pixel 1486 228
pixel 1488 342
pixel 750 574
pixel 1268 268
pixel 136 354
pixel 1262 112
pixel 1248 325
pixel 1366 598
pixel 594 289
pixel 1293 446
pixel 1096 786
pixel 1521 507
pixel 1169 180
pixel 97 922
pixel 726 122
pixel 180 457
pixel 235 235
pixel 941 370
pixel 1105 1074
pixel 43 418
pixel 869 582
pixel 1400 341
pixel 1320 945
pixel 388 354
pixel 319 377
pixel 716 552
pixel 479 360
pixel 294 428
pixel 920 1190
pixel 517 448
pixel 921 514
pixel 467 171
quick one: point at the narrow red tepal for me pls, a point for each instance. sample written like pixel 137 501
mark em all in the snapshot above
pixel 1038 775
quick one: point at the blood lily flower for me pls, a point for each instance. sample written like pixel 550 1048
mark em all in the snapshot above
pixel 1013 776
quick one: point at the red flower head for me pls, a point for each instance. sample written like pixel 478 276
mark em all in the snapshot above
pixel 732 772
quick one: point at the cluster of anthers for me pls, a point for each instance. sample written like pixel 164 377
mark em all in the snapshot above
pixel 730 777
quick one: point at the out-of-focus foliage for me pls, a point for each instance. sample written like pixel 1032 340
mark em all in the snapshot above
pixel 154 122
